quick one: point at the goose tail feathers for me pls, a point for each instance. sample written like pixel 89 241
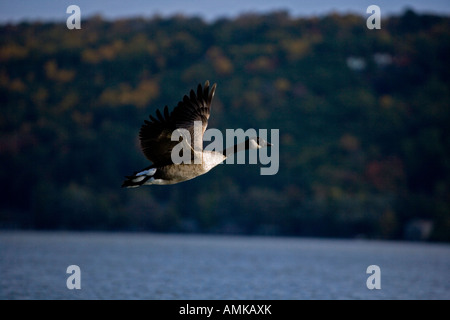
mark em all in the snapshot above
pixel 139 178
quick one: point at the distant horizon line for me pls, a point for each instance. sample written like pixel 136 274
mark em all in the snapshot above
pixel 157 15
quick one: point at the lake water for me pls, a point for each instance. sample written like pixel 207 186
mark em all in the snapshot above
pixel 152 266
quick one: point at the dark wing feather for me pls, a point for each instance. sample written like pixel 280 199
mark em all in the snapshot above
pixel 155 138
pixel 155 134
pixel 195 107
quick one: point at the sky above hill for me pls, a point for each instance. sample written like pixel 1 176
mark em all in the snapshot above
pixel 53 10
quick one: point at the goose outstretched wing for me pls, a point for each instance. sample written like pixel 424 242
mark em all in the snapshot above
pixel 155 135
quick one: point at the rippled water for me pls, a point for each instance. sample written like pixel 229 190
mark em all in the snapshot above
pixel 147 266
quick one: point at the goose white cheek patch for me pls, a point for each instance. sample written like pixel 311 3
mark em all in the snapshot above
pixel 274 159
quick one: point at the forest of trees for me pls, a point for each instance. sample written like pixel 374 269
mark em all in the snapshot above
pixel 363 117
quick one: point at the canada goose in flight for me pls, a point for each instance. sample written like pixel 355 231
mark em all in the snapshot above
pixel 156 143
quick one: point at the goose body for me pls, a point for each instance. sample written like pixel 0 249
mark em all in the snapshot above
pixel 156 143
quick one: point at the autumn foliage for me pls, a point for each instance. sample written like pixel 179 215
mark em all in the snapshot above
pixel 363 118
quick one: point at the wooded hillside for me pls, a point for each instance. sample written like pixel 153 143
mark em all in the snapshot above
pixel 363 118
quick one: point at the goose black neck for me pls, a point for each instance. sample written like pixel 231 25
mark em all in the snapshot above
pixel 237 147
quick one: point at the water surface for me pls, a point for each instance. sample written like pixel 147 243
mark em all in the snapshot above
pixel 149 266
